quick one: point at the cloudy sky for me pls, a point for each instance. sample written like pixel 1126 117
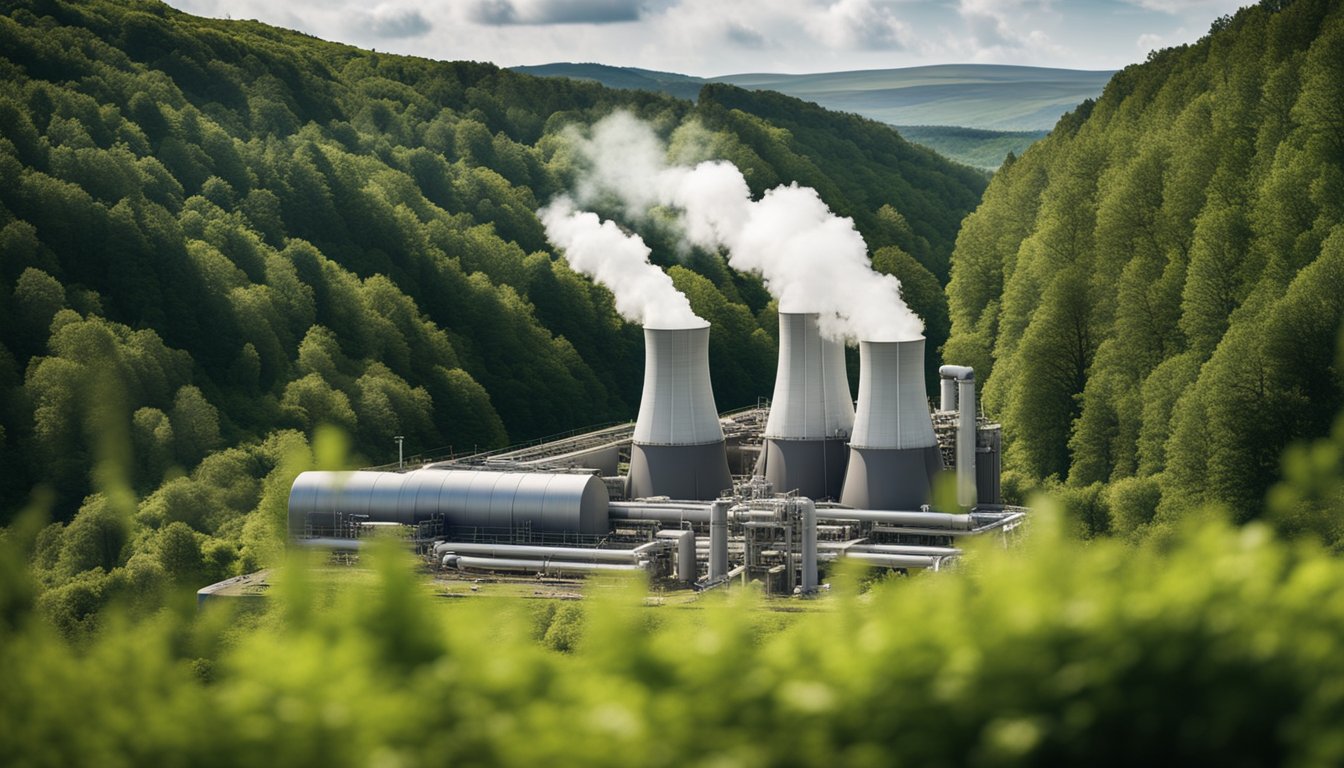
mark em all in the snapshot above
pixel 716 37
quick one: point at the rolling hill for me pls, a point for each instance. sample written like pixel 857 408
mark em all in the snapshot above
pixel 1009 107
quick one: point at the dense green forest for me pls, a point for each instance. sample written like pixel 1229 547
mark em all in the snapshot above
pixel 218 235
pixel 986 150
pixel 1156 288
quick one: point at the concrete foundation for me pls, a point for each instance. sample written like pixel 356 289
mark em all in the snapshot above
pixel 678 471
pixel 814 468
pixel 890 478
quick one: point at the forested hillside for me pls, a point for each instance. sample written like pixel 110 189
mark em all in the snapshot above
pixel 217 235
pixel 1158 286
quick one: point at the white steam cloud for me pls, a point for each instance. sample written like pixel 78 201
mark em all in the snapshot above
pixel 599 249
pixel 810 259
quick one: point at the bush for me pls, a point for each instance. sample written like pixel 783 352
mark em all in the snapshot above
pixel 1217 645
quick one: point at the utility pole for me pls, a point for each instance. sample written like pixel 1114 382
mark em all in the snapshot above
pixel 401 464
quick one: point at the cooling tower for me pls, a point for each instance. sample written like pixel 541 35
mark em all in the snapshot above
pixel 893 452
pixel 678 449
pixel 811 414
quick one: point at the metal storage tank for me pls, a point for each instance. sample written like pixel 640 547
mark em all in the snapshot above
pixel 988 465
pixel 466 499
pixel 811 413
pixel 893 450
pixel 678 449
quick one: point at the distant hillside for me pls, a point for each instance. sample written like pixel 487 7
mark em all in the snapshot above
pixel 629 78
pixel 977 148
pixel 1009 107
pixel 986 96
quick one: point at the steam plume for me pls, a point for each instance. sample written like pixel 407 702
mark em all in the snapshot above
pixel 809 258
pixel 599 249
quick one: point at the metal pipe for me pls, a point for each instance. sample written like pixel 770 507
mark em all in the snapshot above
pixel 545 565
pixel 947 390
pixel 895 561
pixel 526 550
pixel 685 541
pixel 915 519
pixel 809 577
pixel 718 539
pixel 964 377
pixel 888 549
pixel 743 514
pixel 966 443
pixel 664 513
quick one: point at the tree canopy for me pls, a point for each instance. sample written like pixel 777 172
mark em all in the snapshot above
pixel 1154 288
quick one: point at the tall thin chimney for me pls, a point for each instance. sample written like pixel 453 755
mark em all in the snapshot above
pixel 811 414
pixel 678 448
pixel 893 451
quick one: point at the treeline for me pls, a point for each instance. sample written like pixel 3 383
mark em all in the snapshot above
pixel 1158 286
pixel 218 235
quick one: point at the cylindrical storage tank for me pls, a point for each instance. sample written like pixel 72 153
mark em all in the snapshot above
pixel 466 499
pixel 678 449
pixel 718 540
pixel 809 575
pixel 989 450
pixel 893 451
pixel 811 414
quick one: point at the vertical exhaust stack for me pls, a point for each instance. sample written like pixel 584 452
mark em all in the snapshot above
pixel 678 449
pixel 893 452
pixel 811 414
pixel 962 379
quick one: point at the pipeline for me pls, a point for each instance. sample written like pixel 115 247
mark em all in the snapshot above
pixel 888 549
pixel 913 519
pixel 685 543
pixel 809 575
pixel 587 554
pixel 663 513
pixel 718 540
pixel 896 561
pixel 542 566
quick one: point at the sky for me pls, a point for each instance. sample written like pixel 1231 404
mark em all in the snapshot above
pixel 720 37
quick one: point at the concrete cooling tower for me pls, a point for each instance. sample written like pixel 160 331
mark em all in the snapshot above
pixel 811 414
pixel 678 449
pixel 893 451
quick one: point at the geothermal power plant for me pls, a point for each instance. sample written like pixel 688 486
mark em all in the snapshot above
pixel 776 493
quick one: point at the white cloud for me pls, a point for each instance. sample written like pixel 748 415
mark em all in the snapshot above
pixel 716 37
pixel 393 21
pixel 860 24
pixel 1178 7
pixel 497 12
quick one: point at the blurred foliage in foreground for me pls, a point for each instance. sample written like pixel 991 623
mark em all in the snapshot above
pixel 1213 644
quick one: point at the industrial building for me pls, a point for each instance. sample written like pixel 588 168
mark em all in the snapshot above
pixel 775 493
